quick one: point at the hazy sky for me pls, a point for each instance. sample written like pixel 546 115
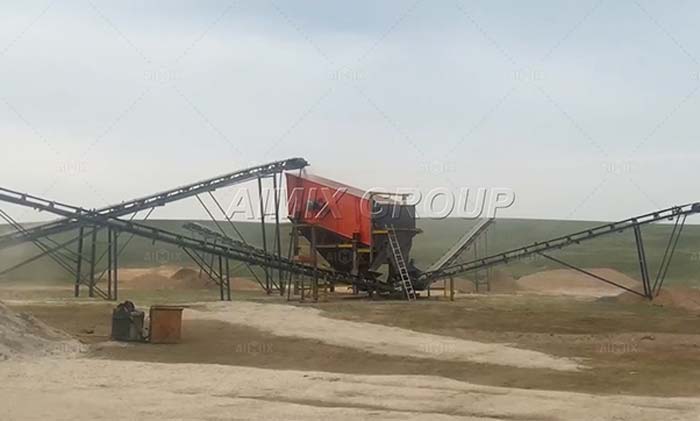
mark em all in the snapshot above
pixel 586 109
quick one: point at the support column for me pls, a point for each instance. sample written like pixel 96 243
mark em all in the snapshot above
pixel 297 250
pixel 93 261
pixel 476 272
pixel 115 248
pixel 221 278
pixel 314 259
pixel 355 262
pixel 212 259
pixel 278 236
pixel 668 255
pixel 291 252
pixel 644 268
pixel 268 288
pixel 79 263
pixel 109 263
pixel 228 281
pixel 486 253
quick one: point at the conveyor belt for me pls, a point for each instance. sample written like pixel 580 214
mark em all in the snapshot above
pixel 208 233
pixel 155 200
pixel 541 247
pixel 252 255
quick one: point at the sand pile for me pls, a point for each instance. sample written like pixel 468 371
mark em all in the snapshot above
pixel 570 282
pixel 191 278
pixel 501 283
pixel 127 274
pixel 165 278
pixel 185 274
pixel 23 336
pixel 148 281
pixel 675 296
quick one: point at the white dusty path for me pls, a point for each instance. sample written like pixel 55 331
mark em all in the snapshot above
pixel 286 320
pixel 95 390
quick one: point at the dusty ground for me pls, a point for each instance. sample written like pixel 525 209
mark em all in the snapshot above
pixel 102 390
pixel 480 357
pixel 630 349
pixel 308 323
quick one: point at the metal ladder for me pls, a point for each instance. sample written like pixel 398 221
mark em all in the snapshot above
pixel 401 265
pixel 464 243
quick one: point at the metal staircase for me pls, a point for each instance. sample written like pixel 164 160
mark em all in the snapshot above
pixel 400 263
pixel 463 244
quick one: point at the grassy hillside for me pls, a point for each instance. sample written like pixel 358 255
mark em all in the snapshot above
pixel 615 251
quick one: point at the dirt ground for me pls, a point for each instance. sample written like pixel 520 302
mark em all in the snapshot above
pixel 104 390
pixel 633 349
pixel 288 360
pixel 92 389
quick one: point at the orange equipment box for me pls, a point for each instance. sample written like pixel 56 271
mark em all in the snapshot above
pixel 339 208
pixel 166 324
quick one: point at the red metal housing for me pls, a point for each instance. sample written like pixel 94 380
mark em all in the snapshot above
pixel 339 208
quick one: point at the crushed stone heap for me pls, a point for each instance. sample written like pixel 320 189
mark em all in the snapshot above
pixel 23 336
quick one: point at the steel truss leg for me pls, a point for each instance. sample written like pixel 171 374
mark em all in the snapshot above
pixel 355 263
pixel 228 281
pixel 79 263
pixel 238 232
pixel 476 257
pixel 115 264
pixel 268 288
pixel 112 263
pixel 314 259
pixel 221 278
pixel 93 289
pixel 668 254
pixel 52 249
pixel 212 259
pixel 643 266
pixel 93 261
pixel 206 267
pixel 121 249
pixel 291 252
pixel 486 253
pixel 109 263
pixel 46 252
pixel 278 236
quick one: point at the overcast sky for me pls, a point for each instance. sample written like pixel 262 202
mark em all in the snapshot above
pixel 585 109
